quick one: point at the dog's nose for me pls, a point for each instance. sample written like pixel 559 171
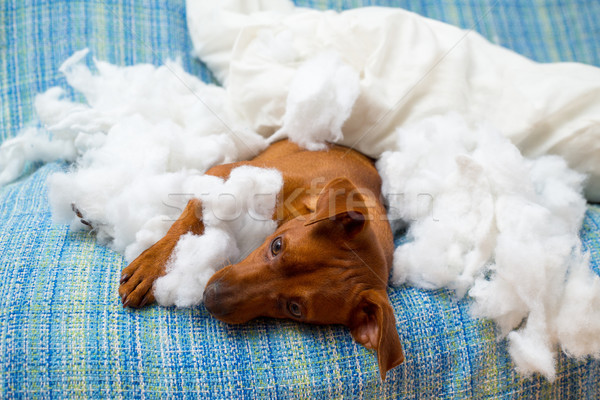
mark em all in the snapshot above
pixel 210 296
pixel 211 300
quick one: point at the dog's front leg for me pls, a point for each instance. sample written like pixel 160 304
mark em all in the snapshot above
pixel 137 279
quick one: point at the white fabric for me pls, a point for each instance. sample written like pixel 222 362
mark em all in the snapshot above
pixel 410 67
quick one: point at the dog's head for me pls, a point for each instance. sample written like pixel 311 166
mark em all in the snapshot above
pixel 328 267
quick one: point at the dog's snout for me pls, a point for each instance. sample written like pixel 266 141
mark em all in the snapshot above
pixel 212 302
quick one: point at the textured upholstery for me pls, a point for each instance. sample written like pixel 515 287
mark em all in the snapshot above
pixel 63 331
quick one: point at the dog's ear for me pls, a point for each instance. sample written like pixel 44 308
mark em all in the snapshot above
pixel 342 202
pixel 373 325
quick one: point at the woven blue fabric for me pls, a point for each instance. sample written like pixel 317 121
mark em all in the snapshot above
pixel 63 332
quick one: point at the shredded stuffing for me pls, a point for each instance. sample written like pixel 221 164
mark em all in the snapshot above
pixel 143 136
pixel 237 216
pixel 488 222
pixel 320 100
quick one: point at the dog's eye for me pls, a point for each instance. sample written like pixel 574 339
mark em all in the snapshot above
pixel 276 246
pixel 294 309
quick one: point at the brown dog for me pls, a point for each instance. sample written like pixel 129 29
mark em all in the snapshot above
pixel 327 263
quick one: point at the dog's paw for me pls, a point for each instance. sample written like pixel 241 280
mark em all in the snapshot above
pixel 137 279
pixel 79 215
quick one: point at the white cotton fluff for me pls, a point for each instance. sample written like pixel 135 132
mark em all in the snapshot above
pixel 320 99
pixel 237 215
pixel 142 135
pixel 502 228
pixel 194 116
pixel 195 259
pixel 139 147
pixel 31 145
pixel 579 313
